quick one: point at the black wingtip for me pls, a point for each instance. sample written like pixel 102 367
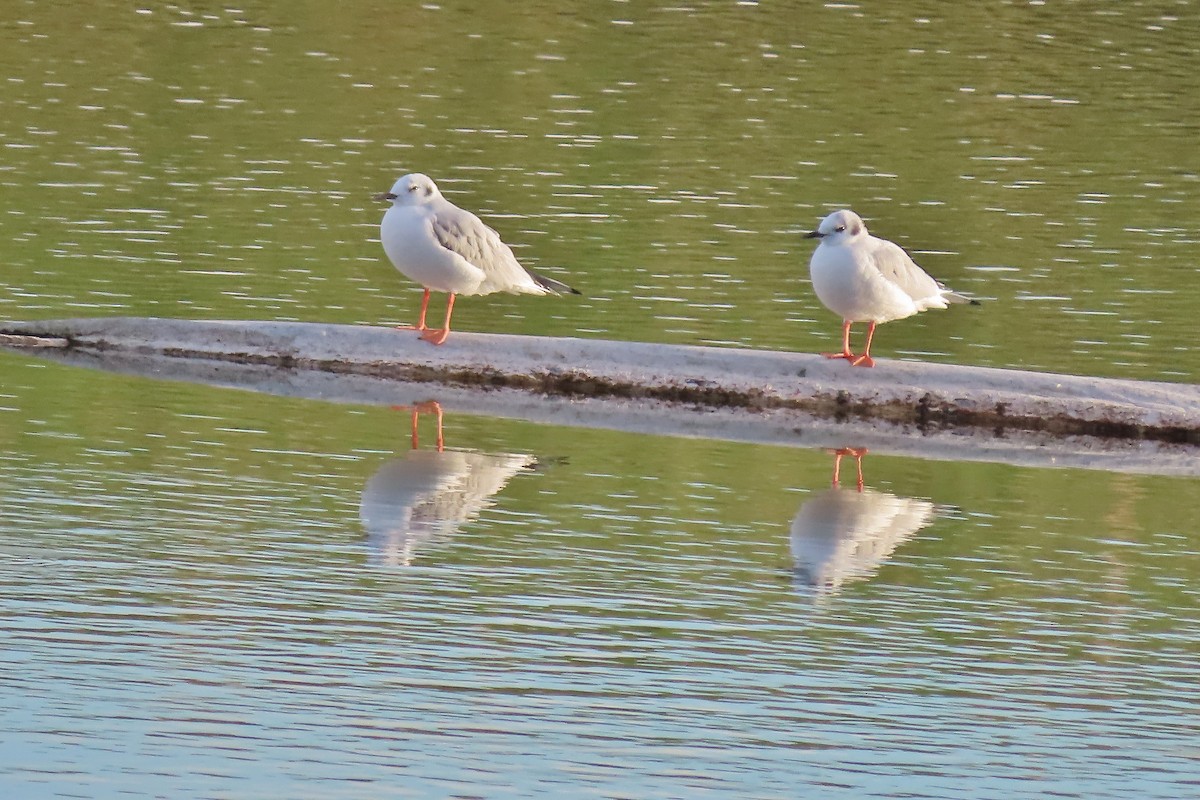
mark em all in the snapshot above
pixel 550 284
pixel 975 302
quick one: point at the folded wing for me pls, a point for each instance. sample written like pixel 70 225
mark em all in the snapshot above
pixel 465 235
pixel 900 270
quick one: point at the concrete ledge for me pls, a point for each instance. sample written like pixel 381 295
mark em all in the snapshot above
pixel 746 390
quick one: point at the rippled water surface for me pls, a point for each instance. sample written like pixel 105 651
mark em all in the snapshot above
pixel 204 161
pixel 213 593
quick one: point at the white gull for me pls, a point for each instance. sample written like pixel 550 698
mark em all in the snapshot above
pixel 448 249
pixel 864 278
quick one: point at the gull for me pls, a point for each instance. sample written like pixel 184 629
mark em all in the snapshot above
pixel 867 279
pixel 448 249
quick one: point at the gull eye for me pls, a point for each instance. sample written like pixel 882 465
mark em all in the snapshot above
pixel 840 228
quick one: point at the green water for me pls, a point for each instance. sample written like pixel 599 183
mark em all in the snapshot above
pixel 214 161
pixel 196 602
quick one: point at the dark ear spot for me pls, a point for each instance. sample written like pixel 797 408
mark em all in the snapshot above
pixel 855 228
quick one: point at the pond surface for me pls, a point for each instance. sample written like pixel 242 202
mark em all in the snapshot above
pixel 210 161
pixel 214 593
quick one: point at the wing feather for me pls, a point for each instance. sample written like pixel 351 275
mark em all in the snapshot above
pixel 899 269
pixel 465 235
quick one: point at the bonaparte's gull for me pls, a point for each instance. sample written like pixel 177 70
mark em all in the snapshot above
pixel 448 249
pixel 867 279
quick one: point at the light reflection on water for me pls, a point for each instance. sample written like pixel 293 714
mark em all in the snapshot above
pixel 198 601
pixel 421 499
pixel 844 534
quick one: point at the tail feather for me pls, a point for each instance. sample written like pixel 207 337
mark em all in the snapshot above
pixel 551 285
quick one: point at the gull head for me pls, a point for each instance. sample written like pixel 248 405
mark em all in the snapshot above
pixel 412 190
pixel 838 227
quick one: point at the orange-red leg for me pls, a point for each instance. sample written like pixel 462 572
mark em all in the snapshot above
pixel 846 354
pixel 858 453
pixel 420 326
pixel 438 335
pixel 865 359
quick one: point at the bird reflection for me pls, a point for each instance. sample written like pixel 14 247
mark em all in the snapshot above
pixel 844 534
pixel 423 498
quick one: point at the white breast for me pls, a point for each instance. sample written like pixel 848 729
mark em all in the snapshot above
pixel 412 248
pixel 852 288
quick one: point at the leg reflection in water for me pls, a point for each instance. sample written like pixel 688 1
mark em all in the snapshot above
pixel 857 452
pixel 427 407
